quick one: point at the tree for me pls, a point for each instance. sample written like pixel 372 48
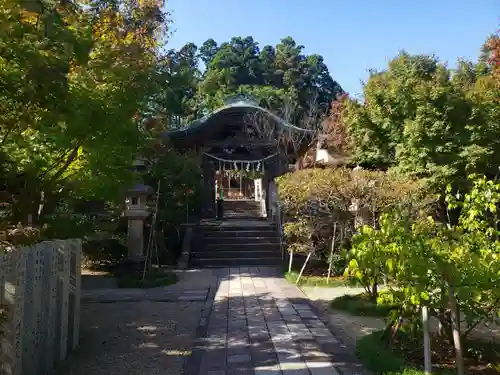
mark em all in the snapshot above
pixel 422 119
pixel 178 78
pixel 334 131
pixel 196 81
pixel 208 51
pixel 482 153
pixel 77 75
pixel 272 75
pixel 450 268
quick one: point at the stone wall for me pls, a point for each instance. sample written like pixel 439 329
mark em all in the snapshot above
pixel 40 287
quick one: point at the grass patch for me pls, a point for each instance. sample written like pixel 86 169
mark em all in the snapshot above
pixel 405 356
pixel 361 305
pixel 319 281
pixel 375 357
pixel 154 278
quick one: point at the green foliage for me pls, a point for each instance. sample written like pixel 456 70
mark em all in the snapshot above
pixel 404 355
pixel 75 76
pixel 298 236
pixel 103 252
pixel 336 189
pixel 103 244
pixel 424 258
pixel 420 122
pixel 70 226
pixel 317 281
pixel 281 78
pixel 180 194
pixel 87 83
pixel 371 350
pixel 364 305
pixel 366 261
pixel 313 200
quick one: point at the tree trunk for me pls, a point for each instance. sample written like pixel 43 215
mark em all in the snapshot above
pixel 455 319
pixel 374 291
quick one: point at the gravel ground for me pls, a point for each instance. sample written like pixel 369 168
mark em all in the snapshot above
pixel 316 293
pixel 142 337
pixel 348 327
pixel 133 338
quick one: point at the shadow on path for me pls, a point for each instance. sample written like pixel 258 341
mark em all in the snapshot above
pixel 255 322
pixel 246 320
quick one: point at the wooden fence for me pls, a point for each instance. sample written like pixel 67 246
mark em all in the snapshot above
pixel 40 288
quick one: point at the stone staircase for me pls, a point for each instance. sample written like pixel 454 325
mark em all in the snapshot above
pixel 250 242
pixel 241 209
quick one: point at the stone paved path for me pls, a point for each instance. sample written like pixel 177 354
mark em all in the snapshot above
pixel 255 322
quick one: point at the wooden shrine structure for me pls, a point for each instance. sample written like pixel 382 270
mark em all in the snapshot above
pixel 245 140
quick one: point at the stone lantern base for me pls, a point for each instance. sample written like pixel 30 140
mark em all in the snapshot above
pixel 136 234
pixel 136 239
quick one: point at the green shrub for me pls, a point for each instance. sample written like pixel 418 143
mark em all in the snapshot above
pixel 363 304
pixel 180 193
pixel 68 225
pixel 437 264
pixel 372 351
pixel 312 200
pixel 104 251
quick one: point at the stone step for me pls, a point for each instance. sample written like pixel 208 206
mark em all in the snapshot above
pixel 242 203
pixel 235 208
pixel 228 262
pixel 240 247
pixel 239 233
pixel 241 215
pixel 236 254
pixel 223 239
pixel 238 229
pixel 238 236
pixel 236 242
pixel 241 209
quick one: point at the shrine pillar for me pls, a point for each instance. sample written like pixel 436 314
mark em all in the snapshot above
pixel 273 170
pixel 265 207
pixel 273 198
pixel 208 187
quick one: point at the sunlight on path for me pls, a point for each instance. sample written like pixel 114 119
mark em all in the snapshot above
pixel 260 324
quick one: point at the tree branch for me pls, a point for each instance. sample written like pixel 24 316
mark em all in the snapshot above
pixel 69 160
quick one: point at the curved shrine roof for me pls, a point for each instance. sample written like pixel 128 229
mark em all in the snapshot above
pixel 218 123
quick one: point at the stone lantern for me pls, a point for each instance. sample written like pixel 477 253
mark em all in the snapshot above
pixel 137 210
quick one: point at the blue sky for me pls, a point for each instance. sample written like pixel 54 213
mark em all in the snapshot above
pixel 353 36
